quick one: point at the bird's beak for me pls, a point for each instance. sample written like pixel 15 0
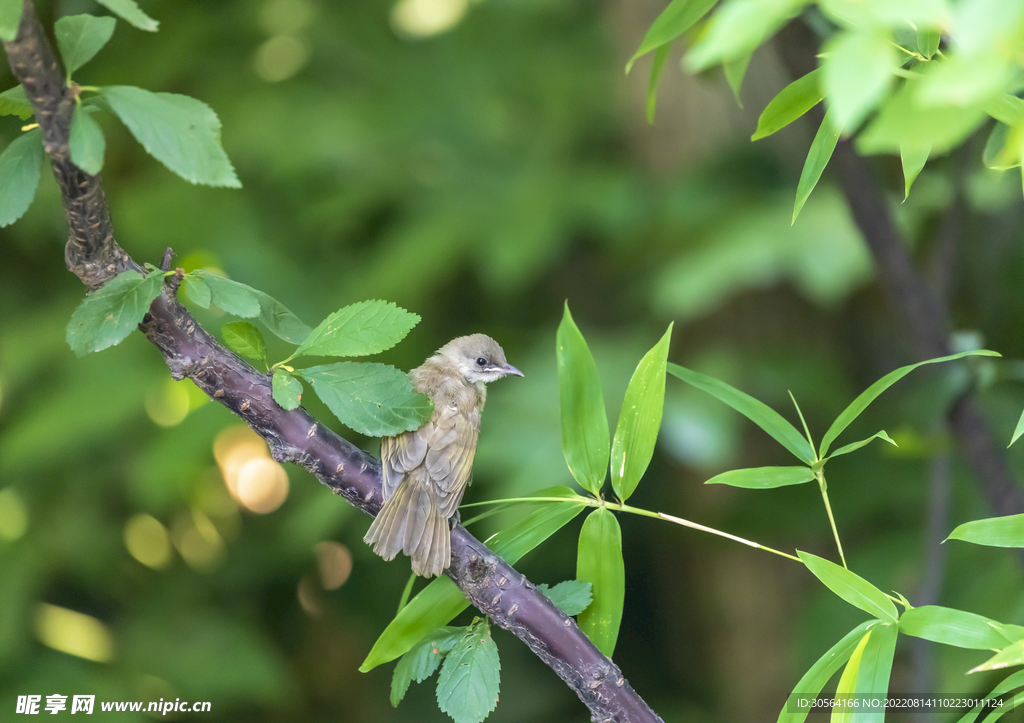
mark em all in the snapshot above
pixel 511 370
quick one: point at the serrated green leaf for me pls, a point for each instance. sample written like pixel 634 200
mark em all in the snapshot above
pixel 10 18
pixel 181 132
pixel 753 409
pixel 1007 684
pixel 13 101
pixel 109 314
pixel 599 562
pixel 286 389
pixel 246 340
pixel 640 419
pixel 928 42
pixel 875 671
pixel 129 10
pixel 373 399
pixel 422 660
pixel 585 436
pixel 361 329
pixel 848 683
pixel 858 405
pixel 850 586
pixel 858 71
pixel 1018 430
pixel 735 70
pixel 791 103
pixel 1005 531
pixel 814 679
pixel 952 627
pixel 231 296
pixel 20 165
pixel 281 322
pixel 846 449
pixel 657 65
pixel 763 478
pixel 80 37
pixel 1012 654
pixel 440 601
pixel 467 687
pixel 86 142
pixel 570 596
pixel 738 28
pixel 674 20
pixel 914 157
pixel 818 156
pixel 197 290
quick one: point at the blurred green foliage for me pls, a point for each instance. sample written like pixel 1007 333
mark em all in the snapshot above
pixel 479 178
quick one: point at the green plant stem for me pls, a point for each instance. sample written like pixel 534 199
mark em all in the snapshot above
pixel 820 476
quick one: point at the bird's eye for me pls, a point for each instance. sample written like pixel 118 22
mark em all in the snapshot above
pixel 481 362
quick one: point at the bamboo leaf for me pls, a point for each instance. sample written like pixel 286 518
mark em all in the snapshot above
pixel 1005 531
pixel 818 156
pixel 850 587
pixel 674 20
pixel 763 478
pixel 599 562
pixel 846 449
pixel 953 627
pixel 791 103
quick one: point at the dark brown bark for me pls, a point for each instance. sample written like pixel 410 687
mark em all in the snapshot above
pixel 93 255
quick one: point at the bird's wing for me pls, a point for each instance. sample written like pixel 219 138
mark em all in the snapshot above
pixel 451 446
pixel 401 455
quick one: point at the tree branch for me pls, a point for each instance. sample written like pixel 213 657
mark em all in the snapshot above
pixel 93 255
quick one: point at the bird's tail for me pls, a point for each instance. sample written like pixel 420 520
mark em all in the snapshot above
pixel 410 521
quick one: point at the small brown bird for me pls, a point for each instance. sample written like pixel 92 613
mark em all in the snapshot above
pixel 426 471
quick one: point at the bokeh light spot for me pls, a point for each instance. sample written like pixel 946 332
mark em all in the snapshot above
pixel 73 633
pixel 262 485
pixel 13 515
pixel 147 541
pixel 233 448
pixel 280 57
pixel 423 18
pixel 167 403
pixel 334 562
pixel 285 16
pixel 198 541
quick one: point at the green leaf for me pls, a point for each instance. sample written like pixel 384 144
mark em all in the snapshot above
pixel 129 10
pixel 738 28
pixel 112 312
pixel 850 587
pixel 80 37
pixel 599 562
pixel 847 686
pixel 373 399
pixel 755 410
pixel 1003 147
pixel 818 156
pixel 875 670
pixel 440 601
pixel 1005 531
pixel 570 596
pixel 869 395
pixel 286 389
pixel 674 20
pixel 914 157
pixel 368 327
pixel 639 420
pixel 231 296
pixel 952 627
pixel 10 18
pixel 1019 430
pixel 1012 654
pixel 928 42
pixel 1006 108
pixel 20 165
pixel 585 436
pixel 422 660
pixel 1007 684
pixel 467 687
pixel 181 132
pixel 814 679
pixel 660 56
pixel 245 339
pixel 734 71
pixel 197 290
pixel 763 478
pixel 858 69
pixel 791 103
pixel 86 142
pixel 846 449
pixel 13 101
pixel 280 321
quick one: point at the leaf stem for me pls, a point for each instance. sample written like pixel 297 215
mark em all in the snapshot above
pixel 820 476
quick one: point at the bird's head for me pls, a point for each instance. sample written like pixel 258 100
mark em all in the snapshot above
pixel 478 358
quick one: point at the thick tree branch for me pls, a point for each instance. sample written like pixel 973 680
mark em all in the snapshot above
pixel 492 585
pixel 923 315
